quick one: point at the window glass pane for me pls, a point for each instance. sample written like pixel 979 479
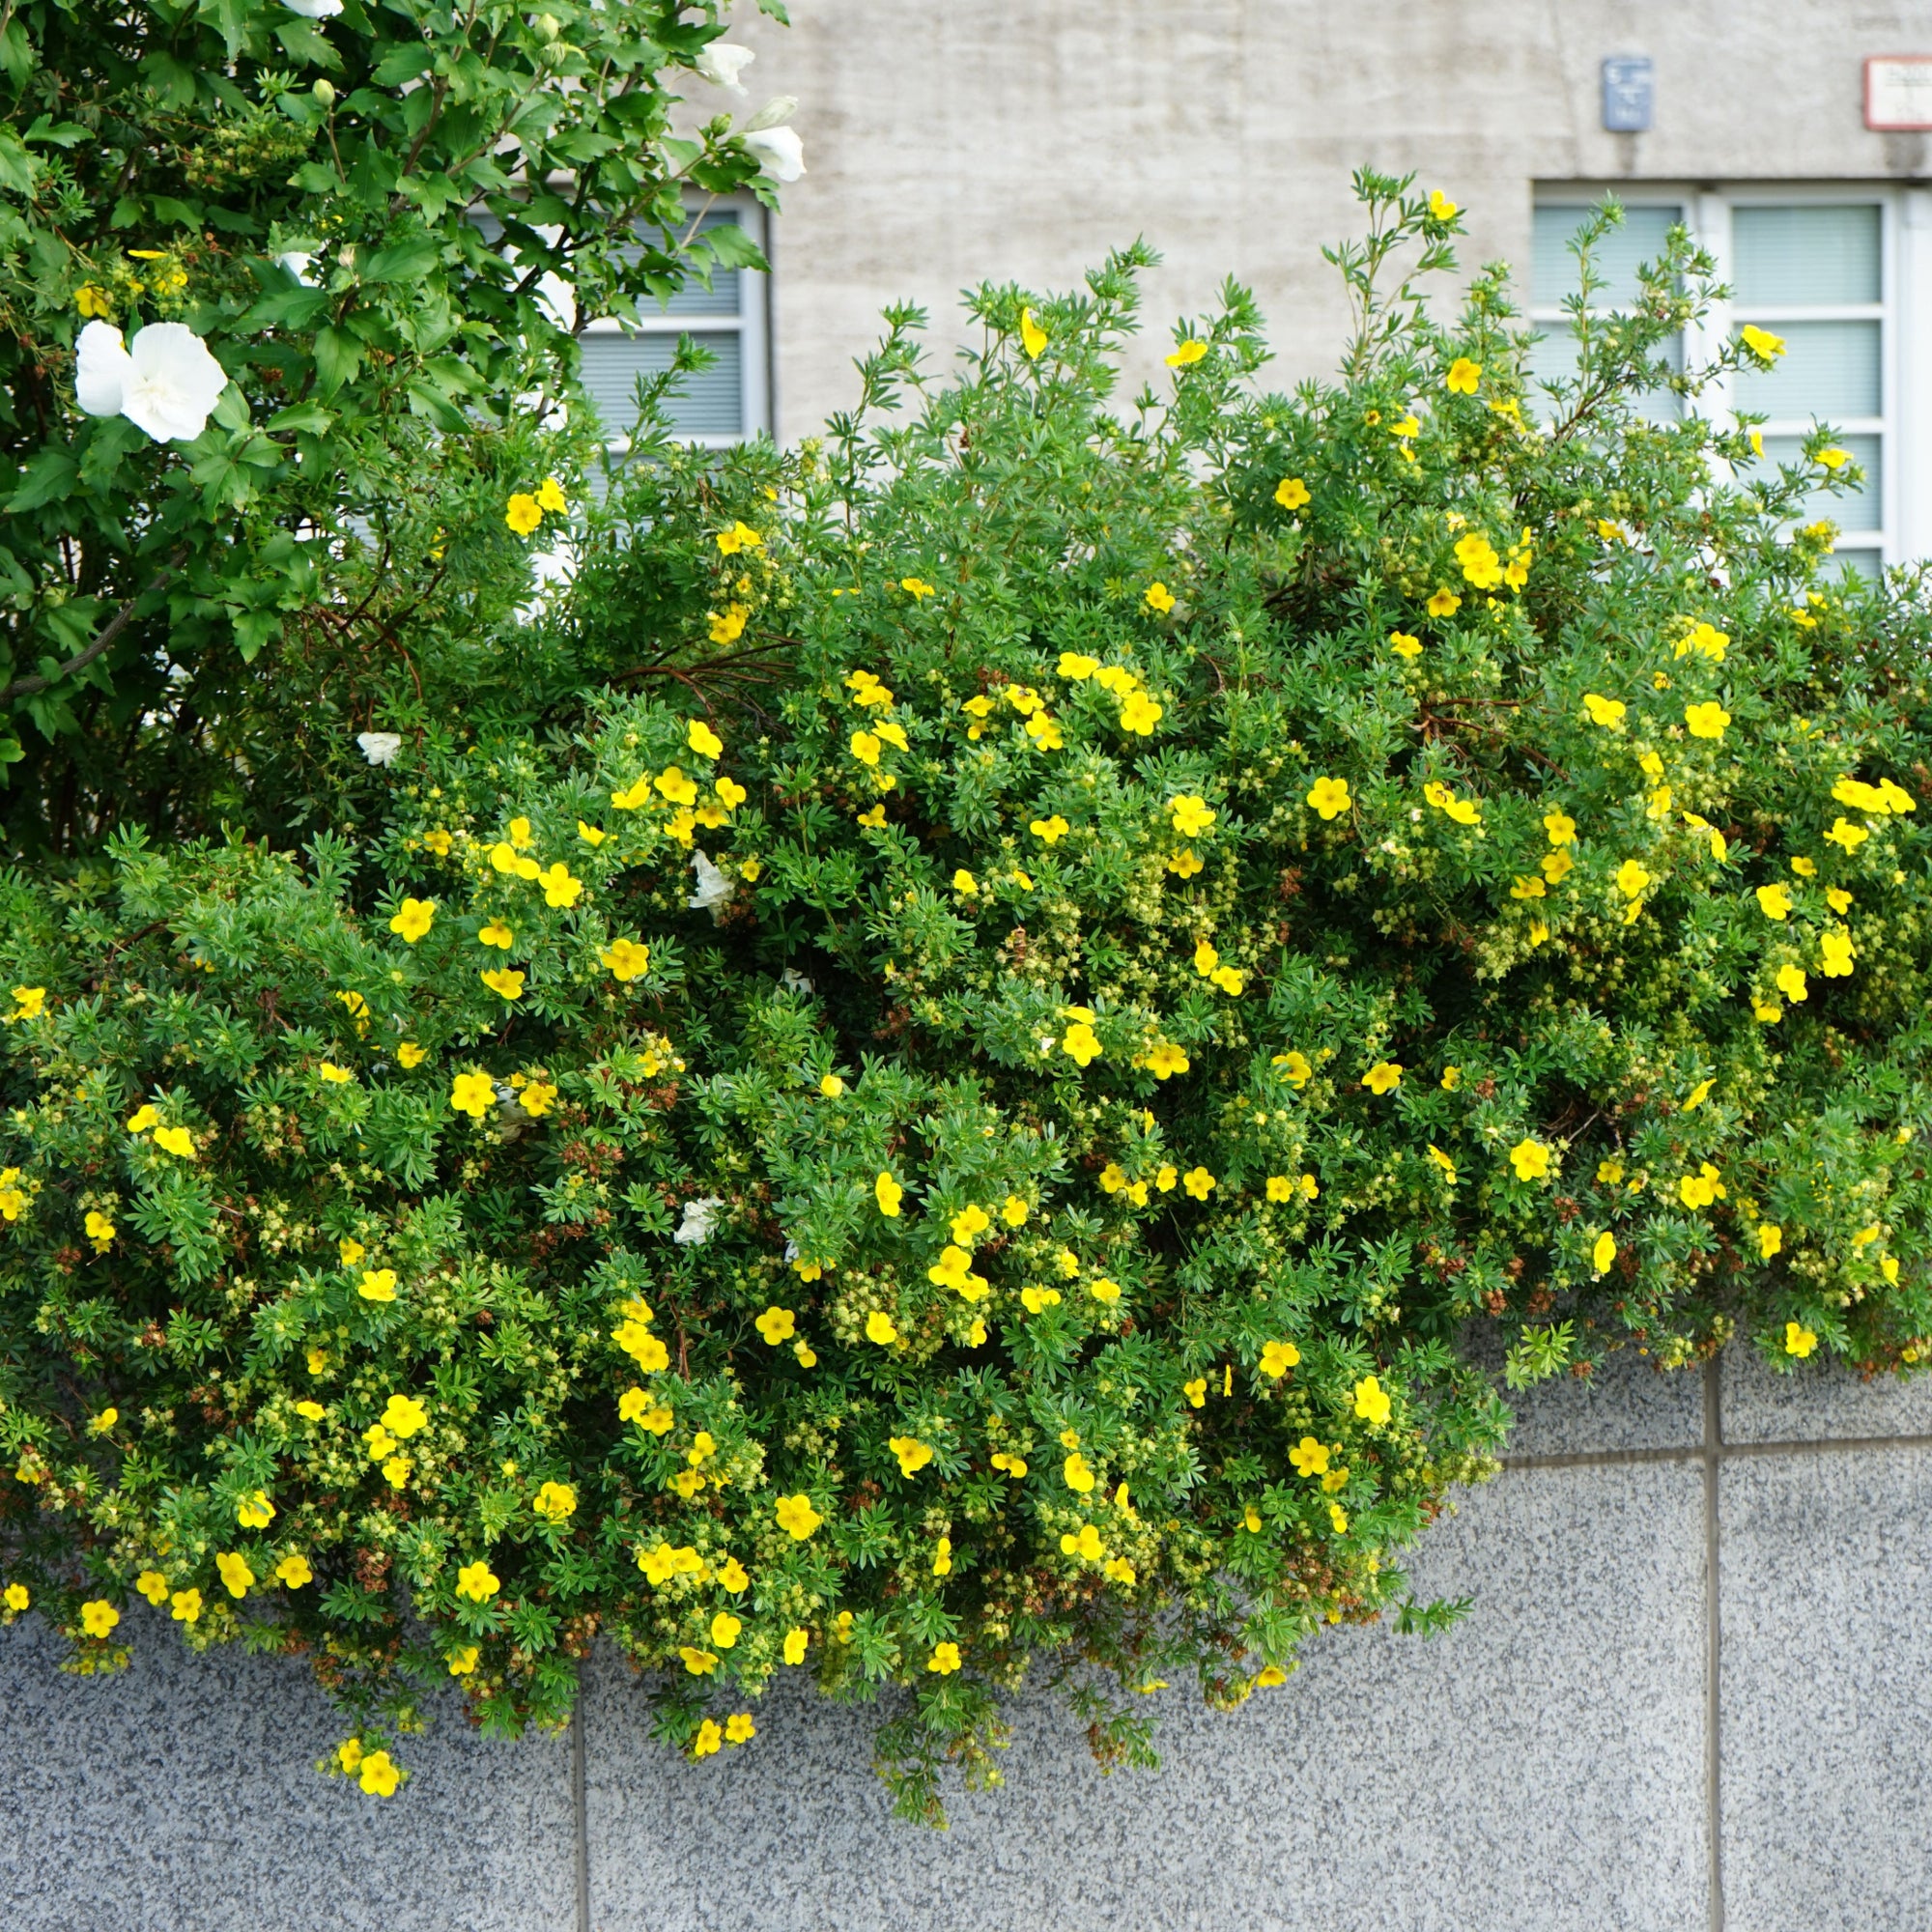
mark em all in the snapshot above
pixel 1806 254
pixel 1856 511
pixel 1844 563
pixel 1828 369
pixel 709 403
pixel 1554 272
pixel 1553 358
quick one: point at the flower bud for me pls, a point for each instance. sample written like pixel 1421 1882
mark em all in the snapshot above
pixel 547 27
pixel 324 92
pixel 779 109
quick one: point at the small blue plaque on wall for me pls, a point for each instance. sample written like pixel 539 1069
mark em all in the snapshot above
pixel 1630 93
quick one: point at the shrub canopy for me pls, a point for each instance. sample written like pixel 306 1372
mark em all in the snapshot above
pixel 962 1120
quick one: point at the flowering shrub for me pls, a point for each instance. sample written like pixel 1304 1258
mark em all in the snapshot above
pixel 979 1147
pixel 283 284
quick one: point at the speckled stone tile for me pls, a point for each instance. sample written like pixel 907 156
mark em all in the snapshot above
pixel 1825 1713
pixel 1627 1403
pixel 1818 1401
pixel 1542 1766
pixel 183 1797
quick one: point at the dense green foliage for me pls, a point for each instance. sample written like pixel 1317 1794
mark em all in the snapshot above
pixel 954 1118
pixel 370 223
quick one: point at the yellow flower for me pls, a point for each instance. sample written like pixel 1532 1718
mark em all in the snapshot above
pixel 880 1328
pixel 740 536
pixel 1139 714
pixel 29 1003
pixel 335 1076
pixel 1631 879
pixel 1527 888
pixel 1557 865
pixel 153 1585
pixel 255 1511
pixel 554 1501
pixel 1079 1476
pixel 1603 1253
pixel 177 1141
pixel 1462 377
pixel 1764 345
pixel 1033 337
pixel 1799 1340
pixel 701 1664
pixel 1290 493
pixel 1294 1067
pixel 1329 797
pixel 497 934
pixel 1531 1160
pixel 889 1194
pixel 913 1453
pixel 1080 1044
pixel 142 1119
pixel 559 888
pixel 1607 712
pixel 1186 353
pixel 1371 1403
pixel 523 514
pixel 1278 1357
pixel 1792 984
pixel 945 1658
pixel 235 1574
pixel 376 1285
pixel 1049 830
pixel 626 959
pixel 473 1093
pixel 1404 645
pixel 1775 900
pixel 462 1660
pixel 1158 597
pixel 1836 950
pixel 1087 1545
pixel 1190 813
pixel 477 1581
pixel 99 1618
pixel 1452 1078
pixel 185 1606
pixel 1844 833
pixel 100 1230
pixel 1706 720
pixel 551 497
pixel 1444 603
pixel 1165 1060
pixel 1339 1517
pixel 1770 1239
pixel 797 1518
pixel 1440 206
pixel 293 1571
pixel 505 983
pixel 91 299
pixel 1383 1078
pixel 795 1644
pixel 726 626
pixel 916 587
pixel 414 918
pixel 1443 1160
pixel 739 1728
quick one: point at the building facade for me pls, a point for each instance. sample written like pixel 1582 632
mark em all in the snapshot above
pixel 953 141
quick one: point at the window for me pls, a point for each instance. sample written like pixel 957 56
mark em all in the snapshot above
pixel 1815 267
pixel 729 402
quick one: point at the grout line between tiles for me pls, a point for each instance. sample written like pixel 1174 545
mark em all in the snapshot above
pixel 1724 1451
pixel 580 1810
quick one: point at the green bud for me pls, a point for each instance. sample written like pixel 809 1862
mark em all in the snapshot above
pixel 547 27
pixel 324 92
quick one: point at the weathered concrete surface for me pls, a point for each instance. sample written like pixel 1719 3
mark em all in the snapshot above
pixel 955 141
pixel 183 1797
pixel 1541 1766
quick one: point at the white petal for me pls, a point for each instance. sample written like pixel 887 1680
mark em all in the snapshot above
pixel 557 299
pixel 713 887
pixel 101 368
pixel 172 383
pixel 698 1217
pixel 314 9
pixel 298 265
pixel 721 62
pixel 781 153
pixel 380 747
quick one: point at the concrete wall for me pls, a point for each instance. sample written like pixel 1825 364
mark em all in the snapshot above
pixel 1694 1695
pixel 952 141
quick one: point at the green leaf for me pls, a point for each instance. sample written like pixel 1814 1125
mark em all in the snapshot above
pixel 405 261
pixel 309 418
pixel 254 632
pixel 50 476
pixel 338 357
pixel 17 167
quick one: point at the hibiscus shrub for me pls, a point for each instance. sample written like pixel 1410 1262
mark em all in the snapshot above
pixel 975 1148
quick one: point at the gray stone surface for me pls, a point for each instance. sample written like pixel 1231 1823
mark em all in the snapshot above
pixel 183 1797
pixel 1825 1710
pixel 1817 1401
pixel 1542 1766
pixel 1627 1403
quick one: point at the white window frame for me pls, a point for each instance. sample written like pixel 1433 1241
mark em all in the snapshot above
pixel 752 325
pixel 1903 311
